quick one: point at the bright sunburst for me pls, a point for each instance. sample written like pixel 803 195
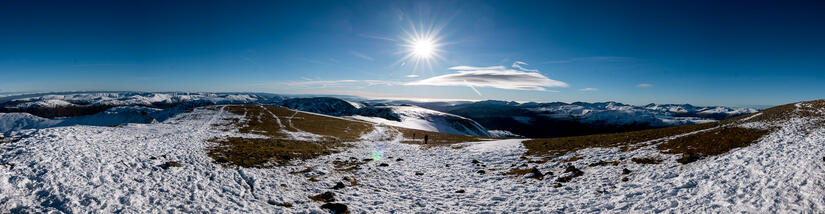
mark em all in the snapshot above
pixel 422 47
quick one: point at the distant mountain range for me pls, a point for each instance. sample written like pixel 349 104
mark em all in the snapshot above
pixel 484 118
pixel 559 119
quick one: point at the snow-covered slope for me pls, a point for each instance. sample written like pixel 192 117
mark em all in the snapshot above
pixel 406 116
pixel 424 119
pixel 18 121
pixel 79 169
pixel 10 122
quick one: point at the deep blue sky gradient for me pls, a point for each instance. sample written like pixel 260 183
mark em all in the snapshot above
pixel 698 52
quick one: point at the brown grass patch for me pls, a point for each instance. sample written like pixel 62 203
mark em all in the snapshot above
pixel 556 147
pixel 277 148
pixel 714 142
pixel 647 160
pixel 605 163
pixel 434 138
pixel 349 165
pixel 574 172
pixel 534 173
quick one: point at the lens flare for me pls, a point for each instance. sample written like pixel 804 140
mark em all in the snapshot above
pixel 377 153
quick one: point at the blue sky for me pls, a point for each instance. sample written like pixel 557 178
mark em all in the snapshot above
pixel 699 52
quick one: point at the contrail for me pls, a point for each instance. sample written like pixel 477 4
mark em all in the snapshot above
pixel 474 88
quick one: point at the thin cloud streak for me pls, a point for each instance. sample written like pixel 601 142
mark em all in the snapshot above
pixel 519 65
pixel 644 85
pixel 361 55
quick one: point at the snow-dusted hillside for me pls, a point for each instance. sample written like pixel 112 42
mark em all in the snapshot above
pixel 132 98
pixel 406 116
pixel 127 169
pixel 10 122
pixel 415 117
pixel 19 121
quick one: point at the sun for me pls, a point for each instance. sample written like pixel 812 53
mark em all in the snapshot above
pixel 423 48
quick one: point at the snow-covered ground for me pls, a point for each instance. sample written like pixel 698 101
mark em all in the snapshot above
pixel 415 117
pixel 111 169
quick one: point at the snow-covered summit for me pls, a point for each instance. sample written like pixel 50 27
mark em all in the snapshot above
pixel 415 117
pixel 407 116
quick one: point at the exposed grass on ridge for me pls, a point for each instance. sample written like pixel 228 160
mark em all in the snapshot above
pixel 278 147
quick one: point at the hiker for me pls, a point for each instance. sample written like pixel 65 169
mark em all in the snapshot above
pixel 426 137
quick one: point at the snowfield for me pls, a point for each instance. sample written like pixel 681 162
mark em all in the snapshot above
pixel 123 169
pixel 415 117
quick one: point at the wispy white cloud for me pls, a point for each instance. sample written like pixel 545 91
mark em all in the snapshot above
pixel 495 77
pixel 361 55
pixel 644 85
pixel 589 89
pixel 411 76
pixel 519 65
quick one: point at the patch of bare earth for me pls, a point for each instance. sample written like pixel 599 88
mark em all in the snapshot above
pixel 278 126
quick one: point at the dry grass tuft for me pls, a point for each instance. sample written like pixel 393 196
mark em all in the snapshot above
pixel 434 138
pixel 605 163
pixel 534 173
pixel 715 142
pixel 647 160
pixel 323 197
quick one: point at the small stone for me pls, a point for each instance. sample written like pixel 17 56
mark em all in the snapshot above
pixel 170 164
pixel 557 185
pixel 475 161
pixel 447 165
pixel 460 191
pixel 481 171
pixel 339 185
pixel 419 173
pixel 335 208
pixel 383 164
pixel 625 179
pixel 625 171
pixel 399 159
